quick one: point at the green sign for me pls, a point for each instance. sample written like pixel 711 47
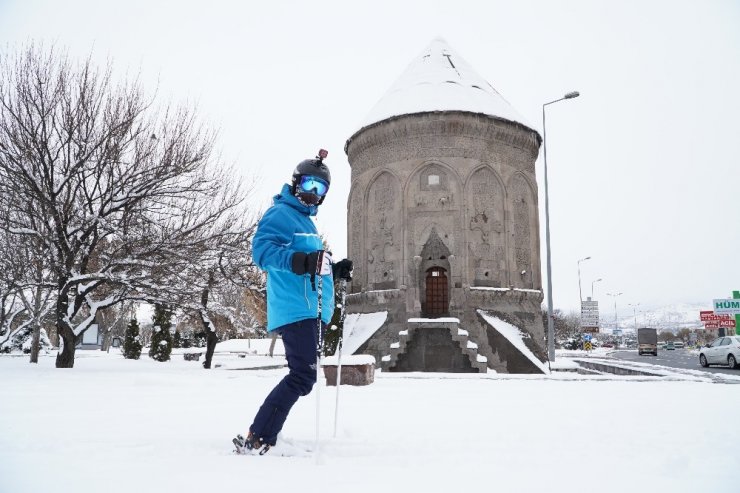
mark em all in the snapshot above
pixel 731 306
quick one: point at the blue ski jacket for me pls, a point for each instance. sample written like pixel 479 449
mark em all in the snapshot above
pixel 286 228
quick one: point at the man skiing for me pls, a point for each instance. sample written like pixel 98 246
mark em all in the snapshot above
pixel 287 246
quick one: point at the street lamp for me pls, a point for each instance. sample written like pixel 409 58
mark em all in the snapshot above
pixel 592 287
pixel 580 296
pixel 616 323
pixel 550 322
pixel 634 312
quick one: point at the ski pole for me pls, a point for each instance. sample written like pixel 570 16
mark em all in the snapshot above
pixel 320 343
pixel 343 287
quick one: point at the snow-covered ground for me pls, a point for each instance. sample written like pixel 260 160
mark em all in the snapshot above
pixel 117 425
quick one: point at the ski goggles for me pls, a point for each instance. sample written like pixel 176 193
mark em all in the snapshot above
pixel 313 184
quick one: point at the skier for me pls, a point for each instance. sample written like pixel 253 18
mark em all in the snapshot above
pixel 287 246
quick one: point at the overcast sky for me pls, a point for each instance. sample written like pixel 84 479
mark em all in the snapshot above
pixel 644 174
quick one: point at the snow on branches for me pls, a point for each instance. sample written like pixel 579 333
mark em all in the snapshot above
pixel 124 200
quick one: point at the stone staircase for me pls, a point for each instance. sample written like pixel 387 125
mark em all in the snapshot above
pixel 459 336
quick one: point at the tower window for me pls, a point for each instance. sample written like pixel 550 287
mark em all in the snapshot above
pixel 433 180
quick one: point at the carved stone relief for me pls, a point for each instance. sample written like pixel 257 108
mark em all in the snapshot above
pixel 383 228
pixel 522 208
pixel 420 225
pixel 355 237
pixel 433 189
pixel 487 259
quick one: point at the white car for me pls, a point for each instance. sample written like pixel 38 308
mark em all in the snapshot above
pixel 722 351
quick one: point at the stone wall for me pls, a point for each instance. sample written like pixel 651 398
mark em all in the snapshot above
pixel 470 178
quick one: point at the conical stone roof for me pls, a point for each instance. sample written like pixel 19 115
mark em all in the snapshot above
pixel 439 79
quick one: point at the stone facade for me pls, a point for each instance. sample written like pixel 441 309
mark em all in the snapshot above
pixel 442 221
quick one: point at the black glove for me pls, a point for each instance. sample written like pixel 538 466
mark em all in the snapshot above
pixel 305 263
pixel 343 270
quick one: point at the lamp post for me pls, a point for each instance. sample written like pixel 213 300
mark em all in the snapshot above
pixel 616 323
pixel 580 295
pixel 592 287
pixel 634 312
pixel 550 322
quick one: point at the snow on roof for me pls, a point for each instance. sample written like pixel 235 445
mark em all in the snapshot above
pixel 439 79
pixel 514 336
pixel 358 327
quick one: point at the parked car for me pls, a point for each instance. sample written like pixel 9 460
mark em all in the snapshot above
pixel 678 344
pixel 722 351
pixel 670 346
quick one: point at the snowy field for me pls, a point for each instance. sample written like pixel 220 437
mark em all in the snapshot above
pixel 115 425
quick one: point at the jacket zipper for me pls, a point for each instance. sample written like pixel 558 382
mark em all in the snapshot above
pixel 305 292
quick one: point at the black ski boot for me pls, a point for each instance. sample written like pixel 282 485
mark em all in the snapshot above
pixel 246 445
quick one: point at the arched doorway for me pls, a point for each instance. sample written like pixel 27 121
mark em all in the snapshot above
pixel 437 303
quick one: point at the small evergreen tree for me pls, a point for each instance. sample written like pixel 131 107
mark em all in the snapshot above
pixel 176 339
pixel 161 345
pixel 199 339
pixel 334 329
pixel 131 342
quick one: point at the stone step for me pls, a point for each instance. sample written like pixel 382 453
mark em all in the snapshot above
pixel 458 335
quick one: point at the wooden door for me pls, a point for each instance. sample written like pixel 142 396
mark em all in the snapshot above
pixel 437 297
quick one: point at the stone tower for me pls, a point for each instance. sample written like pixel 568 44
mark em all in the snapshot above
pixel 443 224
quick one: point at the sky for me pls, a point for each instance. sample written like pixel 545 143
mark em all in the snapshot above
pixel 643 167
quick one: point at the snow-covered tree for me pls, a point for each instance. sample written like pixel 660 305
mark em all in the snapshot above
pixel 334 329
pixel 224 276
pixel 161 344
pixel 120 196
pixel 114 322
pixel 567 326
pixel 25 291
pixel 131 342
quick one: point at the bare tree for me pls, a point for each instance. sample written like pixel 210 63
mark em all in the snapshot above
pixel 118 195
pixel 114 321
pixel 25 290
pixel 666 335
pixel 226 266
pixel 567 326
pixel 11 309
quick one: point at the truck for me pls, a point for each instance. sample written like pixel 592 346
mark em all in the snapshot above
pixel 647 341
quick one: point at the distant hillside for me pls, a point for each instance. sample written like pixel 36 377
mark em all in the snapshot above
pixel 669 317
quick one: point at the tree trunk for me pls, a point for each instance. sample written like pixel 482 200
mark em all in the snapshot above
pixel 36 340
pixel 107 339
pixel 36 343
pixel 272 343
pixel 66 357
pixel 211 340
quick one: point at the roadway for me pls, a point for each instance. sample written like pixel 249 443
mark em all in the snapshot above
pixel 678 358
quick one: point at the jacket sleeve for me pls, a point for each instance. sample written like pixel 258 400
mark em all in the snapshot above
pixel 271 244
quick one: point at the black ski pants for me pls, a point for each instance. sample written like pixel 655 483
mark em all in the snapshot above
pixel 299 339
